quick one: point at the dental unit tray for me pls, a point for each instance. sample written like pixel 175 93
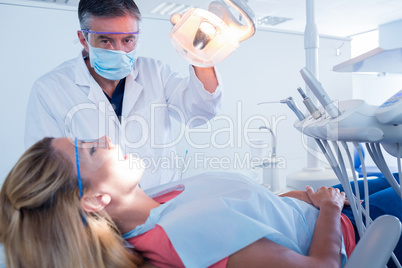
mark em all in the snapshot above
pixel 357 122
pixel 349 123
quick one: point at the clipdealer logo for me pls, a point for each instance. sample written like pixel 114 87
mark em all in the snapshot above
pixel 144 132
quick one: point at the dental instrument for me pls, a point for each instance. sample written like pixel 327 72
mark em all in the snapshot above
pixel 267 102
pixel 315 113
pixel 319 92
pixel 293 106
pixel 290 103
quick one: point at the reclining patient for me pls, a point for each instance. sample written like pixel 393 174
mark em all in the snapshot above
pixel 68 203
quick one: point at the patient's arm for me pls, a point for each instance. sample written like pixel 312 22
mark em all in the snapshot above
pixel 325 247
pixel 301 195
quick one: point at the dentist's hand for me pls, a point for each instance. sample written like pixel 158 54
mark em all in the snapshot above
pixel 208 78
pixel 326 196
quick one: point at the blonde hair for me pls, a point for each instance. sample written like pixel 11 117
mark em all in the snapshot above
pixel 41 220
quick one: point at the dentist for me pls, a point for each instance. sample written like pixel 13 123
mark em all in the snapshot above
pixel 108 90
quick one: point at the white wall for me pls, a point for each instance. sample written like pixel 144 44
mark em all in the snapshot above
pixel 264 68
pixel 34 40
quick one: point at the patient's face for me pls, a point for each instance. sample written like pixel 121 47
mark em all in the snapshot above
pixel 103 165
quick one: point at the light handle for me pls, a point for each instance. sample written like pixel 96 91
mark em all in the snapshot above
pixel 239 30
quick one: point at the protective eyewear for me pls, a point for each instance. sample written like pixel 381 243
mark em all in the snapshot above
pixel 78 166
pixel 124 41
pixel 103 142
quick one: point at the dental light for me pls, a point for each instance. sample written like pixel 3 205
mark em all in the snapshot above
pixel 205 38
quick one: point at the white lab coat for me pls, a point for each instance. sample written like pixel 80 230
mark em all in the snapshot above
pixel 68 102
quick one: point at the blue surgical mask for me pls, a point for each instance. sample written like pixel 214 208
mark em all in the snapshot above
pixel 111 64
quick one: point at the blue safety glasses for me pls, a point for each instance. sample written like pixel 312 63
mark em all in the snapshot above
pixel 124 41
pixel 103 142
pixel 79 175
pixel 78 166
pixel 97 32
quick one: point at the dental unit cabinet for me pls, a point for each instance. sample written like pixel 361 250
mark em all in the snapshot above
pixel 390 111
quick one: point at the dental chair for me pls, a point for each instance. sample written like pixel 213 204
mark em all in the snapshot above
pixel 372 251
pixel 372 171
pixel 375 247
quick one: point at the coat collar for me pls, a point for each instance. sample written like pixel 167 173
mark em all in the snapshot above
pixel 132 89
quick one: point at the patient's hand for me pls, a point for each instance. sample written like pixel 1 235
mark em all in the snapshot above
pixel 326 195
pixel 301 195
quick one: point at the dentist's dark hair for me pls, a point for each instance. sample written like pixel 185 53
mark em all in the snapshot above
pixel 104 9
